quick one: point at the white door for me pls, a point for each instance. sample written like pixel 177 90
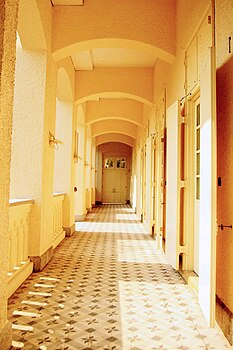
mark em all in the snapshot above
pixel 114 180
pixel 208 175
pixel 197 121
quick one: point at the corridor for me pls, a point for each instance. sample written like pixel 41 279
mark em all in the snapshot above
pixel 108 288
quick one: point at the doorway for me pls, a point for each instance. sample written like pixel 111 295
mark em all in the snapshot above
pixel 115 180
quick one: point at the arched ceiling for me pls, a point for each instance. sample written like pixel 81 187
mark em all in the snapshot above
pixel 112 137
pixel 114 52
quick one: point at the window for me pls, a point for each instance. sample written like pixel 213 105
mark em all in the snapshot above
pixel 109 163
pixel 121 163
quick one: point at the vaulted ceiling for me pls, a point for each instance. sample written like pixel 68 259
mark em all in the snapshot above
pixel 114 75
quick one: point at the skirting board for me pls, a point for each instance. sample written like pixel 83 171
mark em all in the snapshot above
pixel 69 230
pixel 81 217
pixel 40 261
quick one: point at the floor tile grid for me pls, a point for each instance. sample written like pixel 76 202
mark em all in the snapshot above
pixel 85 310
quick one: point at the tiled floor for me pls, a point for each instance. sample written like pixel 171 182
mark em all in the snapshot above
pixel 108 288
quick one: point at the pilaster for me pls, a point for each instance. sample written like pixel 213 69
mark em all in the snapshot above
pixel 8 28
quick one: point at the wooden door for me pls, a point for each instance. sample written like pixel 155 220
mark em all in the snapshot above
pixel 114 180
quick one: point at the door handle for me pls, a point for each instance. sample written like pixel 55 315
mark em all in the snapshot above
pixel 224 226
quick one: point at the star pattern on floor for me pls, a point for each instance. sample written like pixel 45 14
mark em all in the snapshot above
pixel 108 288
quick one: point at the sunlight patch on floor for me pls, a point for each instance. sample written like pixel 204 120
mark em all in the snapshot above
pixel 110 227
pixel 162 316
pixel 137 251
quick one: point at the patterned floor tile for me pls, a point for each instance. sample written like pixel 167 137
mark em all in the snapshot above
pixel 108 288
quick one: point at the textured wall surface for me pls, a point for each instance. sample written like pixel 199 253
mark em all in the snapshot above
pixel 80 169
pixel 28 120
pixel 8 26
pixel 224 29
pixel 63 155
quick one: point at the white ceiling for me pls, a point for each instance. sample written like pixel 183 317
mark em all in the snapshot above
pixel 112 57
pixel 67 2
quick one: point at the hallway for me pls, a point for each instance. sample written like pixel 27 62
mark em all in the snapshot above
pixel 107 288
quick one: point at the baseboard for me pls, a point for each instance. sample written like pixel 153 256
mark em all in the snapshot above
pixel 69 230
pixel 191 278
pixel 224 318
pixel 98 203
pixel 6 336
pixel 18 277
pixel 40 261
pixel 79 218
pixel 59 238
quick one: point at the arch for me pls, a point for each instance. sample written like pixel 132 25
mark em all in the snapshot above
pixel 114 94
pixel 64 88
pixel 115 148
pixel 112 137
pixel 120 109
pixel 113 43
pixel 150 24
pixel 126 119
pixel 113 126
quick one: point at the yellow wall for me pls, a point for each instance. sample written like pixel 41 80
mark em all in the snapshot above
pixel 35 111
pixel 26 162
pixel 80 210
pixel 8 27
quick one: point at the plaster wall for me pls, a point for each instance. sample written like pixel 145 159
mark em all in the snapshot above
pixel 47 159
pixel 45 12
pixel 87 165
pixel 154 24
pixel 41 108
pixel 8 27
pixel 118 82
pixel 224 29
pixel 93 170
pixel 29 17
pixel 28 129
pixel 133 180
pixel 63 155
pixel 28 119
pixel 80 209
pixel 66 80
